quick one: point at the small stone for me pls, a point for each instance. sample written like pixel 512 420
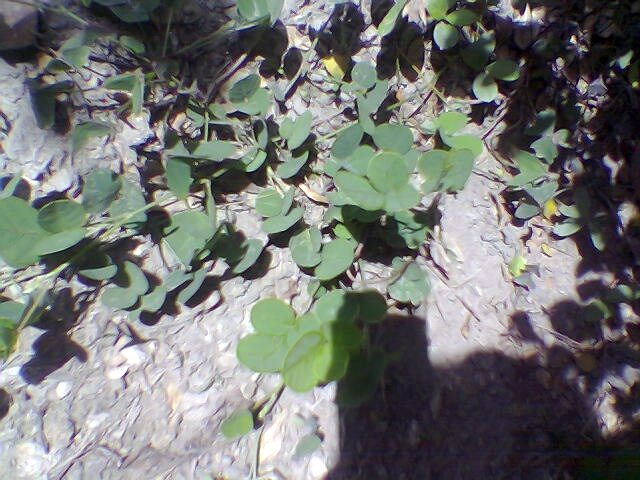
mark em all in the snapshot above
pixel 317 467
pixel 586 362
pixel 18 25
pixel 63 389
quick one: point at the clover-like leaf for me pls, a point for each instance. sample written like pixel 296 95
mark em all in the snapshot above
pixel 359 190
pixel 257 104
pixel 300 130
pixel 411 284
pixel 372 305
pixel 262 353
pixel 97 266
pixel 400 199
pixel 43 101
pixel 461 142
pixel 462 17
pixel 438 8
pixel 269 203
pixel 100 188
pixel 252 249
pixel 545 148
pixel 85 131
pixel 192 287
pixel 244 88
pixel 300 370
pixel 215 150
pixel 61 215
pixel 331 360
pixel 272 316
pixel 347 141
pixel 129 204
pixel 506 70
pixel 20 232
pixel 477 53
pixel 305 247
pixel 362 378
pixel 445 35
pixel 358 161
pixel 282 223
pixel 484 87
pixel 292 166
pixel 239 423
pixel 60 241
pixel 458 167
pixel 388 171
pixel 432 167
pixel 450 123
pixel 336 306
pixel 337 257
pixel 154 300
pixel 530 167
pixel 389 21
pixel 397 138
pixel 567 228
pixel 364 74
pixel 188 234
pixel 8 337
pixel 178 176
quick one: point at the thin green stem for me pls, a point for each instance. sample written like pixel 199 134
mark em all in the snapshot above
pixel 167 30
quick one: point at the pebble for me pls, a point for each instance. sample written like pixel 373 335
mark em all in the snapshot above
pixel 30 461
pixel 63 389
pixel 317 468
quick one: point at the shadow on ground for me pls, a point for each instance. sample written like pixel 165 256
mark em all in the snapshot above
pixel 488 417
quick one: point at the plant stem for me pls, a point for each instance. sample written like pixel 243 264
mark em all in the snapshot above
pixel 167 30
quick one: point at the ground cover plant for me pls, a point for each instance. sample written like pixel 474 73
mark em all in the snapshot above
pixel 386 177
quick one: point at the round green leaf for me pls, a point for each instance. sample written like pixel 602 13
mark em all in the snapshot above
pixel 20 232
pixel 458 167
pixel 119 298
pixel 484 87
pixel 411 286
pixel 215 150
pixel 269 203
pixel 298 371
pixel 100 189
pixel 244 89
pixel 437 8
pixel 98 266
pixel 446 36
pixel 300 130
pixel 373 306
pixel 60 241
pixel 331 361
pixel 389 21
pixel 337 257
pixel 292 166
pixel 345 335
pixel 256 105
pixel 13 311
pixel 61 215
pixel 358 161
pixel 239 423
pixel 526 211
pixel 347 141
pixel 336 306
pixel 192 287
pixel 252 250
pixel 83 132
pixel 359 190
pixel 178 176
pixel 130 199
pixel 262 353
pixel 566 228
pixel 432 167
pixel 189 232
pixel 451 122
pixel 282 223
pixel 477 53
pixel 8 337
pixel 462 17
pixel 305 247
pixel 137 280
pixel 397 138
pixel 388 171
pixel 153 301
pixel 272 317
pixel 364 74
pixel 507 70
pixel 401 199
pixel 254 160
pixel 461 142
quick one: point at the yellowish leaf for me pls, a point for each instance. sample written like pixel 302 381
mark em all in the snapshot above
pixel 550 209
pixel 337 65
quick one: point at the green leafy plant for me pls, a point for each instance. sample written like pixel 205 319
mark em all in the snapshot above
pixel 446 33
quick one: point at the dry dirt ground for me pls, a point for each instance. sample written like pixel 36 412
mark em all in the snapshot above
pixel 491 380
